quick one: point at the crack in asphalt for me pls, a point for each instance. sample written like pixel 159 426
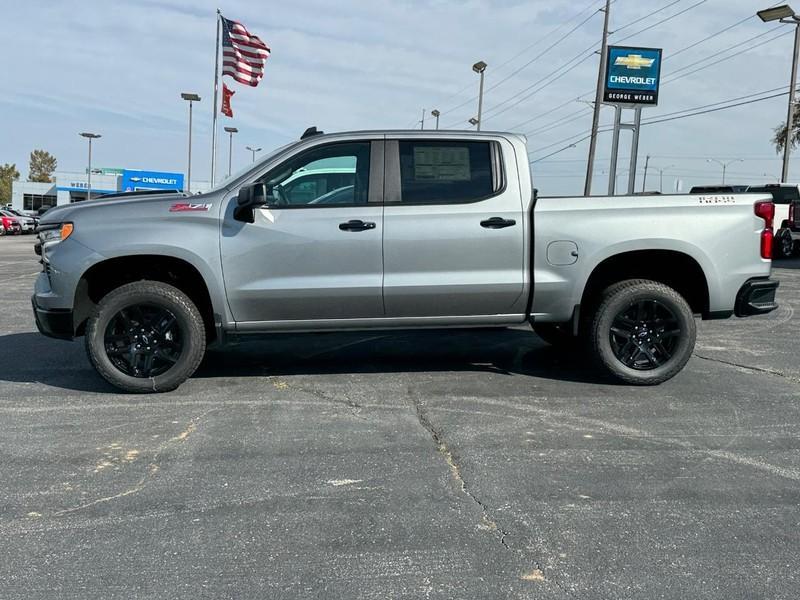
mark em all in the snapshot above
pixel 152 469
pixel 488 523
pixel 354 407
pixel 761 370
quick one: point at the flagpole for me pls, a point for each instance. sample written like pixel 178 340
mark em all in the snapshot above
pixel 214 105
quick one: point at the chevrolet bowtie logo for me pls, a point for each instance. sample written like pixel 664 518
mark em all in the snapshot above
pixel 634 61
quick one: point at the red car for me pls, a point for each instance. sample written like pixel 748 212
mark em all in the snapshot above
pixel 11 226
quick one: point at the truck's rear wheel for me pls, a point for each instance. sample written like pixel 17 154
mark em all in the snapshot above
pixel 643 332
pixel 145 336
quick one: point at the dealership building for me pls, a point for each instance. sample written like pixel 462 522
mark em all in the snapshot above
pixel 30 196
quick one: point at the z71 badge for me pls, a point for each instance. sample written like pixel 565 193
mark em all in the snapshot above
pixel 189 207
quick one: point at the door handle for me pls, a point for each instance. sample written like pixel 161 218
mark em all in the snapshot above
pixel 498 223
pixel 356 225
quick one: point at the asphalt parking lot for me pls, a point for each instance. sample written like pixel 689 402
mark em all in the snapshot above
pixel 478 464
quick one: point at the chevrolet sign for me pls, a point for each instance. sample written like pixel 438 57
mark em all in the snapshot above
pixel 632 76
pixel 150 180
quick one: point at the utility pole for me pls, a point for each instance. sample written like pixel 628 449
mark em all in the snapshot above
pixel 436 115
pixel 598 100
pixel 422 120
pixel 646 164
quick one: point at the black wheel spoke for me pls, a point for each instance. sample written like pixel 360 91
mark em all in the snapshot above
pixel 644 335
pixel 143 340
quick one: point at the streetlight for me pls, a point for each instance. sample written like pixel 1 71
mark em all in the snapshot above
pixel 473 121
pixel 661 177
pixel 480 67
pixel 191 98
pixel 90 137
pixel 436 114
pixel 785 14
pixel 253 150
pixel 231 131
pixel 724 165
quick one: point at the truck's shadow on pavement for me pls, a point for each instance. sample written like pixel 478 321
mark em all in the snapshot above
pixel 30 358
pixel 504 351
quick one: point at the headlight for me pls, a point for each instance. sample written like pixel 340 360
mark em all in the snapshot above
pixel 55 233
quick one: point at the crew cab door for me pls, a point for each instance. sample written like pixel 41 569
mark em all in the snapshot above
pixel 453 229
pixel 314 251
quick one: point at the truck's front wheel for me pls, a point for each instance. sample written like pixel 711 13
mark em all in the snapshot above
pixel 643 332
pixel 145 336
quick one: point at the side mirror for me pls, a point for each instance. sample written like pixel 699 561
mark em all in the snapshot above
pixel 250 197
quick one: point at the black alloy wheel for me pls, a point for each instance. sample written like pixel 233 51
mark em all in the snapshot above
pixel 143 340
pixel 644 335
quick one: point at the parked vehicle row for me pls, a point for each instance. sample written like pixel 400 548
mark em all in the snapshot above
pixel 14 222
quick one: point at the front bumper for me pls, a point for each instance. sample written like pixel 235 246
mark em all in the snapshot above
pixel 55 323
pixel 756 297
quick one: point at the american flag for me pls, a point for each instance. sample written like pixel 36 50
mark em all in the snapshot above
pixel 243 54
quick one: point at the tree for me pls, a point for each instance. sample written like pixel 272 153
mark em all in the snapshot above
pixel 8 173
pixel 42 165
pixel 779 137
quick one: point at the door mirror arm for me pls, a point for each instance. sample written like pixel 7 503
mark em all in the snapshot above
pixel 250 197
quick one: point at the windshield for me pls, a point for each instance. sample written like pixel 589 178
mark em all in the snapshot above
pixel 250 167
pixel 780 194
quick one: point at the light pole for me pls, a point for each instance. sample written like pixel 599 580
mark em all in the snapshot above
pixel 231 131
pixel 435 113
pixel 253 150
pixel 480 68
pixel 661 178
pixel 90 137
pixel 785 14
pixel 191 98
pixel 724 165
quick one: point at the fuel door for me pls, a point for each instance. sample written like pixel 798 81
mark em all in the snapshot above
pixel 562 253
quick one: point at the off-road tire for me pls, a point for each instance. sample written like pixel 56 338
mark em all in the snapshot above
pixel 621 296
pixel 152 293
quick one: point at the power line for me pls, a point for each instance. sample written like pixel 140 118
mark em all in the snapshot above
pixel 545 51
pixel 656 24
pixel 716 62
pixel 538 42
pixel 647 16
pixel 591 48
pixel 664 119
pixel 684 68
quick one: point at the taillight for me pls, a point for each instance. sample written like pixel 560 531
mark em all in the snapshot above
pixel 766 210
pixel 791 215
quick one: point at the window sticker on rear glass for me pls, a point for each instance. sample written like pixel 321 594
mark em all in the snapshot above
pixel 437 163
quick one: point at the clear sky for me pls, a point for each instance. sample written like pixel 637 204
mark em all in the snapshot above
pixel 118 68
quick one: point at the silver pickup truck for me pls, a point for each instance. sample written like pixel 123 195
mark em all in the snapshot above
pixel 396 230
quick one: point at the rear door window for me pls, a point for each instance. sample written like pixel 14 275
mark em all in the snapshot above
pixel 450 172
